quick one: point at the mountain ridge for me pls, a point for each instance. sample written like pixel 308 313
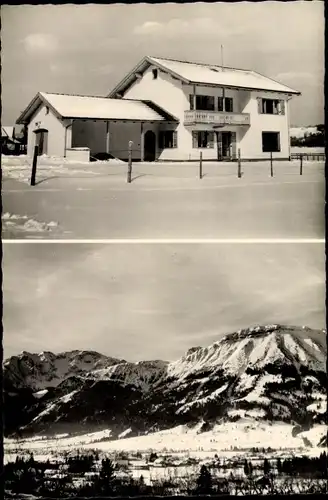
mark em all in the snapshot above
pixel 271 372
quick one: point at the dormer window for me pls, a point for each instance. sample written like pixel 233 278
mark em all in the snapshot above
pixel 155 74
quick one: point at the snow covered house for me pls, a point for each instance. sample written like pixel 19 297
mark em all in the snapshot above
pixel 171 110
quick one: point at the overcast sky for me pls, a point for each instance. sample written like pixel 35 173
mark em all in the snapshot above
pixel 154 301
pixel 87 49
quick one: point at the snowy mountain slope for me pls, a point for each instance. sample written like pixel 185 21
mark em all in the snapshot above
pixel 255 347
pixel 272 373
pixel 144 374
pixel 40 371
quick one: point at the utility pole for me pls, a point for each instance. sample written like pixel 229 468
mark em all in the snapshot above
pixel 222 65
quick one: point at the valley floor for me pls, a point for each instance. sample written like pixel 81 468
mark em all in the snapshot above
pixel 229 439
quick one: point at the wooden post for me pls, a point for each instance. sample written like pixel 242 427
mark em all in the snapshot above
pixel 271 164
pixel 200 165
pixel 142 143
pixel 239 164
pixel 107 137
pixel 130 162
pixel 35 160
pixel 301 164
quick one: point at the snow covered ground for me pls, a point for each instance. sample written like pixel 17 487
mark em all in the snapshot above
pixel 168 200
pixel 22 224
pixel 51 170
pixel 306 150
pixel 229 439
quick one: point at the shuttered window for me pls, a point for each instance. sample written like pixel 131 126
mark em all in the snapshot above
pixel 228 104
pixel 271 106
pixel 195 140
pixel 259 105
pixel 220 104
pixel 202 139
pixel 175 139
pixel 168 139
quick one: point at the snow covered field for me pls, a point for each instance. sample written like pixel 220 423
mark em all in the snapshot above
pixel 167 200
pixel 50 168
pixel 22 224
pixel 227 440
pixel 306 150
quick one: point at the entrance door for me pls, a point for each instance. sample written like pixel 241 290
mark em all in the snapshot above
pixel 150 146
pixel 219 145
pixel 41 140
pixel 226 144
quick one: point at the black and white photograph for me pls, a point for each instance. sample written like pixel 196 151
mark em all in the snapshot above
pixel 163 250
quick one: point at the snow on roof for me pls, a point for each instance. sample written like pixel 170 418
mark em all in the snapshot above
pixel 103 108
pixel 216 75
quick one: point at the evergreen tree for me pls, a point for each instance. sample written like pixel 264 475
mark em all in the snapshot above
pixel 106 477
pixel 279 466
pixel 152 457
pixel 250 468
pixel 246 468
pixel 204 481
pixel 266 467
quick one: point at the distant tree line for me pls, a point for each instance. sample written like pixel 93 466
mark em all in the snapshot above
pixel 309 140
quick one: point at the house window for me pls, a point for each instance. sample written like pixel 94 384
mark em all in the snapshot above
pixel 168 139
pixel 225 104
pixel 47 110
pixel 155 74
pixel 228 102
pixel 203 139
pixel 271 107
pixel 270 142
pixel 205 102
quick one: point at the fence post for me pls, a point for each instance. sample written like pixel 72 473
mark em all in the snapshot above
pixel 271 164
pixel 34 164
pixel 200 165
pixel 239 164
pixel 130 162
pixel 301 164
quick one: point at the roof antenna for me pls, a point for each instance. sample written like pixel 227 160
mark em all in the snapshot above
pixel 222 58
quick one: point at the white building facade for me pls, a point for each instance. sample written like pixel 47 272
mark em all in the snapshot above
pixel 216 119
pixel 171 111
